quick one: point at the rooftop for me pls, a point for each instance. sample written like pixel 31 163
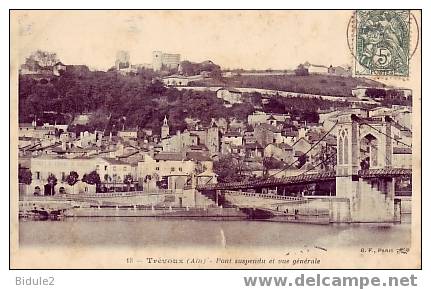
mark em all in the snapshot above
pixel 168 156
pixel 115 161
pixel 197 156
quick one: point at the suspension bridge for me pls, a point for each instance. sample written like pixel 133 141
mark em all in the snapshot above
pixel 360 189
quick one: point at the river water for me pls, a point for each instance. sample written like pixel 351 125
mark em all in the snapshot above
pixel 147 232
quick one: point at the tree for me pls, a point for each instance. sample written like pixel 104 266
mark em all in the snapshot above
pixel 301 70
pixel 128 180
pixel 301 161
pixel 92 178
pixel 24 176
pixel 52 181
pixel 42 59
pixel 72 178
pixel 99 120
pixel 270 163
pixel 107 178
pixel 275 106
pixel 229 168
pixel 325 158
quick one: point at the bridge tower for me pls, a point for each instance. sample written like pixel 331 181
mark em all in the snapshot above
pixel 364 144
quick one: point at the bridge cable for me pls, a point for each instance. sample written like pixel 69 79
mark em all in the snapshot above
pixel 398 141
pixel 322 162
pixel 311 148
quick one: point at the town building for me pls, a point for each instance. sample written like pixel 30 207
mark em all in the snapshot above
pixel 339 70
pixel 301 145
pixel 229 140
pixel 253 150
pixel 180 80
pixel 173 168
pixel 167 61
pixel 266 134
pixel 210 137
pixel 179 142
pixel 380 93
pixel 259 117
pixel 315 68
pixel 128 134
pixel 281 152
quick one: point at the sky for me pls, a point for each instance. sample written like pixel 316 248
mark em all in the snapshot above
pixel 232 39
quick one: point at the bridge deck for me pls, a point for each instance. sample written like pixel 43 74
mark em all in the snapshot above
pixel 304 179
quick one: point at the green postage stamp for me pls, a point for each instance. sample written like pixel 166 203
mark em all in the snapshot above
pixel 382 42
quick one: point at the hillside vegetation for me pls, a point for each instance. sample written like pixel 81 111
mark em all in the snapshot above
pixel 312 84
pixel 118 101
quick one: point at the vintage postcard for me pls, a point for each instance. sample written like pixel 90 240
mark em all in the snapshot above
pixel 202 139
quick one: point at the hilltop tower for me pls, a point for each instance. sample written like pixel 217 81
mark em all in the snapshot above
pixel 165 128
pixel 157 60
pixel 122 60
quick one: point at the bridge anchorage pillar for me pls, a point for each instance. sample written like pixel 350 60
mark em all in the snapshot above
pixel 360 147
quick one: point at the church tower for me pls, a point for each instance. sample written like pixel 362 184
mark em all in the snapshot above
pixel 213 138
pixel 165 128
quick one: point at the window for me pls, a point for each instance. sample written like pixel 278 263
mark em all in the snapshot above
pixel 37 175
pixel 172 169
pixel 106 167
pixel 346 150
pixel 180 169
pixel 157 169
pixel 124 168
pixel 340 150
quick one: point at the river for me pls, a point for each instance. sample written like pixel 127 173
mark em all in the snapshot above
pixel 147 232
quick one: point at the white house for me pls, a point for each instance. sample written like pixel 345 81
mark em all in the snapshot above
pixel 175 168
pixel 128 134
pixel 229 95
pixel 282 152
pixel 109 170
pixel 316 68
pixel 175 80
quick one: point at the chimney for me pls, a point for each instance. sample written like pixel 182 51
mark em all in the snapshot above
pixel 63 145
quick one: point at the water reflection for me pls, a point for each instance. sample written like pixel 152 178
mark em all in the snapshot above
pixel 148 232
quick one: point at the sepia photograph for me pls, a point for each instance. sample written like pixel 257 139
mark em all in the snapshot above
pixel 215 139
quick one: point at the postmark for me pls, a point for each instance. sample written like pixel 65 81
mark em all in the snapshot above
pixel 382 42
